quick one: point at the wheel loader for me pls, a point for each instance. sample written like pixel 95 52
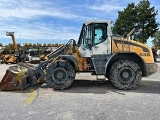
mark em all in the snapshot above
pixel 122 61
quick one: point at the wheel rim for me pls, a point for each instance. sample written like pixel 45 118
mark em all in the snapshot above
pixel 126 75
pixel 59 75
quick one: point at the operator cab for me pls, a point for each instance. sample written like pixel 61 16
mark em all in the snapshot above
pixel 95 38
pixel 95 44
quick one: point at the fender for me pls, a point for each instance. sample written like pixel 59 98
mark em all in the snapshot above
pixel 108 61
pixel 71 58
pixel 126 55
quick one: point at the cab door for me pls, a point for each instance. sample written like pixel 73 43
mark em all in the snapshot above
pixel 102 40
pixel 86 37
pixel 101 47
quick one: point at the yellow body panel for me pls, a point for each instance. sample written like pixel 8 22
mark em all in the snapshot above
pixel 125 45
pixel 82 62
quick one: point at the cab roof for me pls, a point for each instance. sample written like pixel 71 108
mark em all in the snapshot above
pixel 98 21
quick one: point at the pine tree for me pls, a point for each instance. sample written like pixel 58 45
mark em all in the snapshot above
pixel 146 21
pixel 125 20
pixel 141 16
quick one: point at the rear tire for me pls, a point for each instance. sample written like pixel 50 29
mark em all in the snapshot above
pixel 125 74
pixel 60 75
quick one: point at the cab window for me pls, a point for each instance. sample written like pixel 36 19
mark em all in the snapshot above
pixel 86 35
pixel 100 33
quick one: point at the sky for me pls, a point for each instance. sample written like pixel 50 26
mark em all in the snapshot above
pixel 56 21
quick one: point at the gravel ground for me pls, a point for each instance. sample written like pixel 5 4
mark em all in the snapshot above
pixel 85 100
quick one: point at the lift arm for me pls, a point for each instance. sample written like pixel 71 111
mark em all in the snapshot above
pixel 13 40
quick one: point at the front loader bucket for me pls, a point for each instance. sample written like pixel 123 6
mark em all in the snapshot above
pixel 16 78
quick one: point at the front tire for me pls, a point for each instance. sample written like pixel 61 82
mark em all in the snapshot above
pixel 125 74
pixel 60 75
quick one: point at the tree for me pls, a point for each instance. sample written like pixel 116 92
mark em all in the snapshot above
pixel 156 40
pixel 126 19
pixel 141 16
pixel 146 21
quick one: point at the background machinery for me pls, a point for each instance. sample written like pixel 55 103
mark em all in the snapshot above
pixel 18 55
pixel 43 54
pixel 123 61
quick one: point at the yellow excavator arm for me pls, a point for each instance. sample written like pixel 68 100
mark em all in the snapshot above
pixel 13 40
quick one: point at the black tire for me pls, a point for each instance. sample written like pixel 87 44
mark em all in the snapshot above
pixel 2 61
pixel 6 62
pixel 60 75
pixel 125 74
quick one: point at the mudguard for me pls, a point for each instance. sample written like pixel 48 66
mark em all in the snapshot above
pixel 71 58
